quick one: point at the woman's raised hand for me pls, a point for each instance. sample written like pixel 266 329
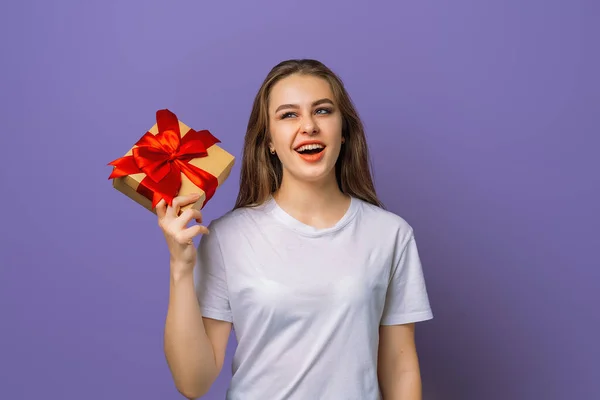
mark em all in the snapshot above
pixel 178 234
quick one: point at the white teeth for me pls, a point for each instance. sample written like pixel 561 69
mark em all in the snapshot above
pixel 310 147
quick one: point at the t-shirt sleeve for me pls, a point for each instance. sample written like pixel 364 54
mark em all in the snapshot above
pixel 406 299
pixel 210 279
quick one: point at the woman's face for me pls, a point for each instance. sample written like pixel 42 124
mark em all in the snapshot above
pixel 305 127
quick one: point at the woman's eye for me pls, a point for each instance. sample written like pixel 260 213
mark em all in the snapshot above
pixel 293 114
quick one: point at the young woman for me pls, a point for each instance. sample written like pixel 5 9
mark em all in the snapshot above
pixel 321 284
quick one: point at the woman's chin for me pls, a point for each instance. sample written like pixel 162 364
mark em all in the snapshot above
pixel 315 174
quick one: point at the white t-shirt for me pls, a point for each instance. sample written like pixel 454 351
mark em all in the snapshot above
pixel 306 304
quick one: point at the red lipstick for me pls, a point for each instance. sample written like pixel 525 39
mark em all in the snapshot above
pixel 311 150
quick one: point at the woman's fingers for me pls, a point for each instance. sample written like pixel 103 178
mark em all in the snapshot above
pixel 187 235
pixel 187 216
pixel 179 202
pixel 161 208
pixel 175 225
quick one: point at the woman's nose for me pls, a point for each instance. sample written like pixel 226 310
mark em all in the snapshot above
pixel 309 126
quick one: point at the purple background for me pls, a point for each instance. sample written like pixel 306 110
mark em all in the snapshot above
pixel 483 123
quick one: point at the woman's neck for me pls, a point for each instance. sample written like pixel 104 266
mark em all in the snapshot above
pixel 318 204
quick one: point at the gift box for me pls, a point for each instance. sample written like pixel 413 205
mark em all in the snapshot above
pixel 169 160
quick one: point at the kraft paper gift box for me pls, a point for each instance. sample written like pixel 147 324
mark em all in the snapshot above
pixel 169 160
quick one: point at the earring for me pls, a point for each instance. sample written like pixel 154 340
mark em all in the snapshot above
pixel 272 151
pixel 343 140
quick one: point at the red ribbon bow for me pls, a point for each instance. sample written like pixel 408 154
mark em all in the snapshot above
pixel 164 157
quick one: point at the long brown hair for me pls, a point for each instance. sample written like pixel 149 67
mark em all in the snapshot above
pixel 261 172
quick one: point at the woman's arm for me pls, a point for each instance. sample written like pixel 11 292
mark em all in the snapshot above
pixel 398 367
pixel 194 346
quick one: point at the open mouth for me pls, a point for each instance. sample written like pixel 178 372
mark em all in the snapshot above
pixel 310 149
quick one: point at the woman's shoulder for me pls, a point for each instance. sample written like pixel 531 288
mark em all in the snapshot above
pixel 384 217
pixel 379 222
pixel 237 218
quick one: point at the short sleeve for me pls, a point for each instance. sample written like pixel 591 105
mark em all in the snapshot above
pixel 406 299
pixel 210 279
